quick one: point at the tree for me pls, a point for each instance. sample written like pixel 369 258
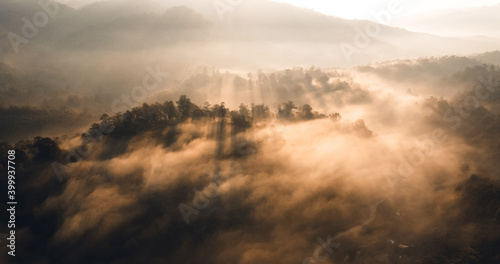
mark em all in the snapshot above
pixel 197 113
pixel 305 112
pixel 244 111
pixel 170 110
pixel 184 106
pixel 47 148
pixel 260 111
pixel 240 122
pixel 104 117
pixel 335 117
pixel 219 110
pixel 285 110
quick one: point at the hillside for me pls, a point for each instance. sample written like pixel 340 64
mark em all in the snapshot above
pixel 257 32
pixel 466 22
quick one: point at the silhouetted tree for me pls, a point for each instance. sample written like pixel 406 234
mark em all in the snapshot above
pixel 240 122
pixel 285 110
pixel 198 113
pixel 170 110
pixel 219 110
pixel 260 111
pixel 47 148
pixel 335 116
pixel 305 112
pixel 184 106
pixel 244 111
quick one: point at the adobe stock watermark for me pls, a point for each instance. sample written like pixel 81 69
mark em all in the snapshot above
pixel 202 199
pixel 454 116
pixel 224 6
pixel 150 83
pixel 31 27
pixel 363 38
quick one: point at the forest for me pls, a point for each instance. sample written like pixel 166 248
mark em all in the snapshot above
pixel 117 187
pixel 244 132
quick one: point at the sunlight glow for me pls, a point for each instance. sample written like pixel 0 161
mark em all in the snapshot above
pixel 362 9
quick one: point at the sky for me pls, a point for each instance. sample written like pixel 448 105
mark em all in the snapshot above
pixel 362 9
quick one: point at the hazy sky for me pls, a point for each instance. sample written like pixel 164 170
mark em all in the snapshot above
pixel 361 9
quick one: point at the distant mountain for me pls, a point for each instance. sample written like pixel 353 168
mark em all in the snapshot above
pixel 464 22
pixel 177 25
pixel 432 76
pixel 251 35
pixel 489 57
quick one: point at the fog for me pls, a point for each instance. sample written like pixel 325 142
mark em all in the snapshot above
pixel 464 22
pixel 403 192
pixel 169 132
